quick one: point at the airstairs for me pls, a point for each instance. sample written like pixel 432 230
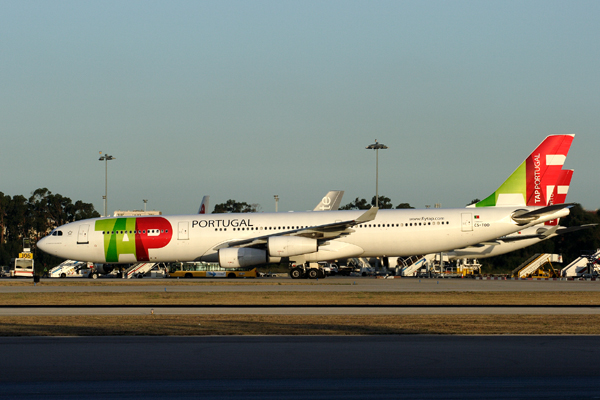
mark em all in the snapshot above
pixel 579 265
pixel 361 266
pixel 138 270
pixel 534 266
pixel 410 265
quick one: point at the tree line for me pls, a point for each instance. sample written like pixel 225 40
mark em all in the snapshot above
pixel 33 218
pixel 233 206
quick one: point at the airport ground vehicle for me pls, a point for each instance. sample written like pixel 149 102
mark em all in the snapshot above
pixel 22 266
pixel 209 270
pixel 72 269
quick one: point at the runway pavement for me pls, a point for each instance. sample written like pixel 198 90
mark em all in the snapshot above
pixel 333 284
pixel 302 367
pixel 288 367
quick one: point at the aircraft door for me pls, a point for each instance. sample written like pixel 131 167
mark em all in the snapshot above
pixel 466 222
pixel 82 236
pixel 184 230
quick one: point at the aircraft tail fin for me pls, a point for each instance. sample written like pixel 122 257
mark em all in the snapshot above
pixel 203 205
pixel 559 194
pixel 331 201
pixel 532 182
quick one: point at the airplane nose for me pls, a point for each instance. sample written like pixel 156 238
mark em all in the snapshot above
pixel 42 244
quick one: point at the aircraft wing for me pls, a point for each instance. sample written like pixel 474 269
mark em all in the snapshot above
pixel 322 232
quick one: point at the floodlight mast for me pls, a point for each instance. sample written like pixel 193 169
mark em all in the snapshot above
pixel 376 146
pixel 105 158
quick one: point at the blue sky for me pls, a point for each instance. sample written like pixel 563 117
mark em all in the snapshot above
pixel 247 99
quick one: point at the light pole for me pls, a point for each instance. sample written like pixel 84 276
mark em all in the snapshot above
pixel 276 202
pixel 145 202
pixel 376 146
pixel 105 158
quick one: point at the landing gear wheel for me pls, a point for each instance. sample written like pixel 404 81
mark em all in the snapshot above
pixel 313 273
pixel 296 273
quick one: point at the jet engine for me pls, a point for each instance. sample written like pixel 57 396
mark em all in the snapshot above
pixel 235 257
pixel 286 246
pixel 104 269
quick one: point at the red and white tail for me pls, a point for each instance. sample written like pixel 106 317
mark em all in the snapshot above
pixel 559 194
pixel 531 184
pixel 203 205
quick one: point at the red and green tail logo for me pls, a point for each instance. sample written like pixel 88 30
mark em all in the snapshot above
pixel 533 181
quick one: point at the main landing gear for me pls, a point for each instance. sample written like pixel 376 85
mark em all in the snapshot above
pixel 310 271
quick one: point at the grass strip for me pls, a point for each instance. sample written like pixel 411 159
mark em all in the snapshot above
pixel 156 325
pixel 302 298
pixel 167 282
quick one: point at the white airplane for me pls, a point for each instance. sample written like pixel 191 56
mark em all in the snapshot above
pixel 241 240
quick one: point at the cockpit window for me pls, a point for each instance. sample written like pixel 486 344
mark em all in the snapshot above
pixel 57 233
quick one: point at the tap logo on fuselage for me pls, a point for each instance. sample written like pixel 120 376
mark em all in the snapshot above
pixel 133 236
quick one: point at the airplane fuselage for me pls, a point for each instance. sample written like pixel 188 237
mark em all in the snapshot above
pixel 194 237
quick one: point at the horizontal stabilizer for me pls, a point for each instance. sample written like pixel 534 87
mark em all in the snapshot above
pixel 541 233
pixel 570 229
pixel 524 217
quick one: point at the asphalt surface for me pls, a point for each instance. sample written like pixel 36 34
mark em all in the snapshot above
pixel 315 367
pixel 332 284
pixel 302 367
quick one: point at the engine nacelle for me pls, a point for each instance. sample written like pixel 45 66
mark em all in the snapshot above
pixel 235 257
pixel 286 246
pixel 104 269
